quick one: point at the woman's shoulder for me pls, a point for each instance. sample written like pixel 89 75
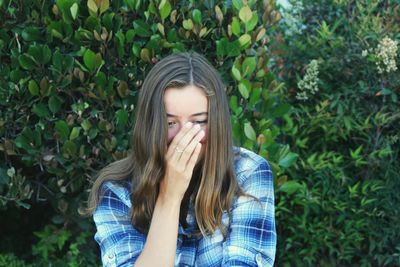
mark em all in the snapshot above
pixel 119 190
pixel 248 162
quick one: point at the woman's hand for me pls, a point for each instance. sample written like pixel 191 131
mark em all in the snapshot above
pixel 181 158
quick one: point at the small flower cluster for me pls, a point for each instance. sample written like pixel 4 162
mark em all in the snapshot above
pixel 309 83
pixel 292 19
pixel 386 53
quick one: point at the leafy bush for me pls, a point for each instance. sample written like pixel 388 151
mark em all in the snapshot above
pixel 341 206
pixel 12 261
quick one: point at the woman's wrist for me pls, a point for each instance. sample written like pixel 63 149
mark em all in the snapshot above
pixel 171 202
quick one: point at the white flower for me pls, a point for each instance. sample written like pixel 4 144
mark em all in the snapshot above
pixel 364 53
pixel 291 17
pixel 386 54
pixel 309 83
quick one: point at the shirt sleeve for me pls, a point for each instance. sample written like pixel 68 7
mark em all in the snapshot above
pixel 120 243
pixel 251 240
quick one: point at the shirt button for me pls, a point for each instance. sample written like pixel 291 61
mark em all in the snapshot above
pixel 259 259
pixel 189 236
pixel 111 256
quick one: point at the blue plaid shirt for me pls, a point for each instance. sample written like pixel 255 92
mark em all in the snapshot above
pixel 251 239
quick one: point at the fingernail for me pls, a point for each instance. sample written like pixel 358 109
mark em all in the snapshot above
pixel 188 125
pixel 197 127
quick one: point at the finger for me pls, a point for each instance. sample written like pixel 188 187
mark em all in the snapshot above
pixel 182 144
pixel 178 137
pixel 193 160
pixel 187 153
pixel 187 138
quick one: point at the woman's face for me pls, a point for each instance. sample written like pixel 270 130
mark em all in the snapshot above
pixel 187 104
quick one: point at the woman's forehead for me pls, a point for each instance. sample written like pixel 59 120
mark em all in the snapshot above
pixel 186 101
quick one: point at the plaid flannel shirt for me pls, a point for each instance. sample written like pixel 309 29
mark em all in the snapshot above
pixel 251 239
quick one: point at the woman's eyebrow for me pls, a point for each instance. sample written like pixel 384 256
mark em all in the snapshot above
pixel 193 115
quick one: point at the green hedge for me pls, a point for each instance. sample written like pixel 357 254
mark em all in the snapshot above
pixel 339 63
pixel 69 76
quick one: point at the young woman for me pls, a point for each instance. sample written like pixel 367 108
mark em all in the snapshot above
pixel 185 196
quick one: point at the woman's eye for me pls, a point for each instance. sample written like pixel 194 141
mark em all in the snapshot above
pixel 171 124
pixel 200 122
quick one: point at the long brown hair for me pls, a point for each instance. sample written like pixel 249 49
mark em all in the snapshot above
pixel 216 185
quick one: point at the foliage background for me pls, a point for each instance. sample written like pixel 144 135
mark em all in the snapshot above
pixel 305 92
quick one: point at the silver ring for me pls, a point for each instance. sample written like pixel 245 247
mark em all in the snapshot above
pixel 178 150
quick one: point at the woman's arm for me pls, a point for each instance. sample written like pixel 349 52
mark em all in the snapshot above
pixel 160 246
pixel 252 237
pixel 182 155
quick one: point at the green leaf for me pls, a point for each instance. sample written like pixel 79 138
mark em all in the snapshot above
pixel 122 117
pixel 290 187
pixel 23 204
pixel 238 4
pixel 75 133
pixel 244 88
pixel 243 91
pixel 58 61
pixel 62 129
pixel 142 28
pixel 26 62
pixel 244 40
pixel 252 22
pixel 86 125
pixel 136 49
pixel 31 34
pixel 255 96
pixel 288 160
pixel 248 66
pixel 93 133
pixel 249 131
pixel 33 88
pixel 92 6
pixel 16 75
pixel 40 110
pixel 145 55
pixel 25 139
pixel 74 10
pixel 236 27
pixel 91 60
pixel 236 73
pixel 101 79
pixel 245 14
pixel 233 103
pixel 130 35
pixel 54 104
pixel 196 15
pixel 187 24
pixel 37 137
pixel 221 47
pixel 104 5
pixel 233 49
pixel 165 9
pixel 69 148
pixel 40 53
pixel 88 59
pixel 218 14
pixel 123 89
